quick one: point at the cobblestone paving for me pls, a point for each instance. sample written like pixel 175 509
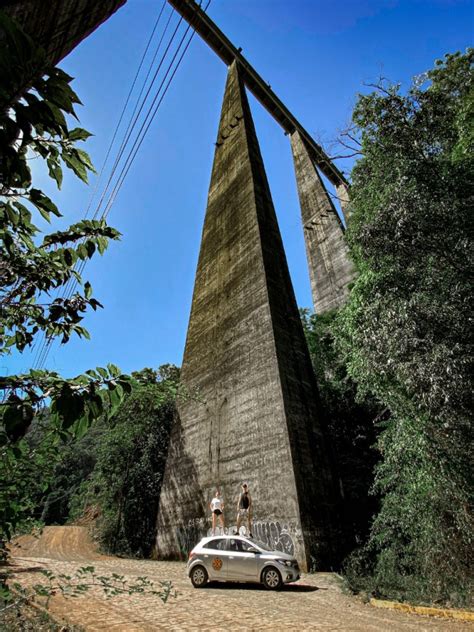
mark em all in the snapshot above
pixel 316 602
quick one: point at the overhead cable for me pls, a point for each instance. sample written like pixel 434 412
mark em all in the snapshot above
pixel 146 123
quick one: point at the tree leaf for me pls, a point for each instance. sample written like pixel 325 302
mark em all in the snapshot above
pixel 81 427
pixel 55 172
pixel 42 201
pixel 90 247
pixel 113 370
pixel 13 216
pixel 102 244
pixel 85 159
pixel 87 290
pixel 79 134
pixel 70 256
pixel 75 164
pixel 82 252
pixel 103 372
pixel 95 406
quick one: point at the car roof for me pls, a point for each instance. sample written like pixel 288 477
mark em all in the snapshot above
pixel 226 537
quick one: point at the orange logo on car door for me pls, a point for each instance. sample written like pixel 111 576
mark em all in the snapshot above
pixel 217 563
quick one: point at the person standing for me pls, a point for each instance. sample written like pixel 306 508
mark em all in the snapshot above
pixel 217 509
pixel 244 509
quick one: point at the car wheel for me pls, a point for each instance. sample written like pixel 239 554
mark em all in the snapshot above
pixel 271 578
pixel 199 576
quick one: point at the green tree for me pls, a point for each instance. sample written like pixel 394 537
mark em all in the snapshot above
pixel 404 333
pixel 130 460
pixel 35 103
pixel 351 423
pixel 73 466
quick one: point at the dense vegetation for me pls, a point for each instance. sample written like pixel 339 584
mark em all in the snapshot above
pixel 36 102
pixel 112 476
pixel 53 463
pixel 404 335
pixel 351 424
pixel 393 365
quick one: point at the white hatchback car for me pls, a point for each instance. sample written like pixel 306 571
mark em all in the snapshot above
pixel 238 559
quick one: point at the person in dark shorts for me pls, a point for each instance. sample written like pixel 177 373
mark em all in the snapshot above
pixel 217 509
pixel 244 509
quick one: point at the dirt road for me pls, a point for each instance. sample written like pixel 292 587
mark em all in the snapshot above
pixel 316 602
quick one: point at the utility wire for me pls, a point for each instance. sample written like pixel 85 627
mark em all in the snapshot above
pixel 142 132
pixel 43 349
pixel 148 121
pixel 128 136
pixel 117 127
pixel 72 282
pixel 127 100
pixel 131 125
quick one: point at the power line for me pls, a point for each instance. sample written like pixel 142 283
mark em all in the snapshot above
pixel 150 116
pixel 128 136
pixel 68 289
pixel 70 282
pixel 131 125
pixel 127 100
pixel 138 141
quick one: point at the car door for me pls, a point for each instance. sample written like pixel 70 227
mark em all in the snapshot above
pixel 242 564
pixel 215 557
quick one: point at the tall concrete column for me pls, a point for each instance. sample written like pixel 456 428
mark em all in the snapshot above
pixel 342 192
pixel 254 415
pixel 330 268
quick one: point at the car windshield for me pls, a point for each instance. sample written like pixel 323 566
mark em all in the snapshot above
pixel 261 545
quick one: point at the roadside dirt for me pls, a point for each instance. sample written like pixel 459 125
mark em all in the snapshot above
pixel 58 543
pixel 316 602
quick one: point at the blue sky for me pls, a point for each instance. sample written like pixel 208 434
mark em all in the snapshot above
pixel 316 54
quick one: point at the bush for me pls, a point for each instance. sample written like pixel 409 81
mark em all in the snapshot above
pixel 130 460
pixel 352 427
pixel 404 335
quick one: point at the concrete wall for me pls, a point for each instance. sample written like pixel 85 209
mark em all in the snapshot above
pixel 330 268
pixel 60 25
pixel 254 416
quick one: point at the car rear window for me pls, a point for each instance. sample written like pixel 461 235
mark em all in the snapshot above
pixel 217 545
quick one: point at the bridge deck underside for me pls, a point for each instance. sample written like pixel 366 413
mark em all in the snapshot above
pixel 60 25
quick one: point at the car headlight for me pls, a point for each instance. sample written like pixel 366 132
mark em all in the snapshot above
pixel 285 562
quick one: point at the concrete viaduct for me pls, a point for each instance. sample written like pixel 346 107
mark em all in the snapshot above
pixel 257 417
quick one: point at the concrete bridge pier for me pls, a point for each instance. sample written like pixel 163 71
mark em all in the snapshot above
pixel 254 412
pixel 330 267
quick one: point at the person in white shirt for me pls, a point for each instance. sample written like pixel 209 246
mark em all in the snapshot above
pixel 217 509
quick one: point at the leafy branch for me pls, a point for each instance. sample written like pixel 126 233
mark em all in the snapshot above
pixel 78 584
pixel 36 104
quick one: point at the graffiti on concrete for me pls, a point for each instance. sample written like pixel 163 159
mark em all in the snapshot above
pixel 276 536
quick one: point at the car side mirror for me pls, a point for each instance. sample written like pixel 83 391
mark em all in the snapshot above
pixel 252 549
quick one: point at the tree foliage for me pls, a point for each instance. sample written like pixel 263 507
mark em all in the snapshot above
pixel 34 125
pixel 404 334
pixel 130 456
pixel 352 424
pixel 112 472
pixel 36 102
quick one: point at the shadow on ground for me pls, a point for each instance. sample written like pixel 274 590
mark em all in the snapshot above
pixel 295 588
pixel 15 569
